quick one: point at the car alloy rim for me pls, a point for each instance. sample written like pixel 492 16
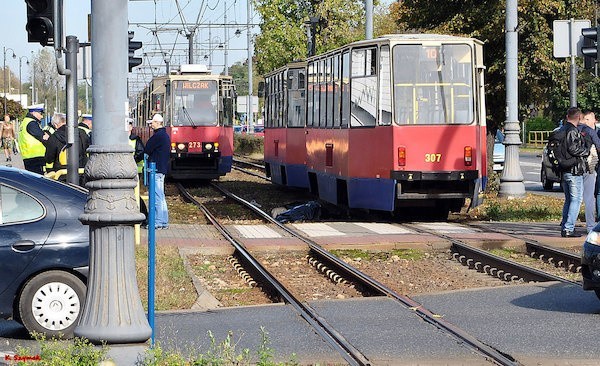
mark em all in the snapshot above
pixel 55 306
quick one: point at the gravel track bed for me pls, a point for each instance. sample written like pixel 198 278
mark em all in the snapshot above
pixel 433 272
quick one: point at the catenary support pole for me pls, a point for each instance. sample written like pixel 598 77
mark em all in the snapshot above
pixel 249 17
pixel 113 311
pixel 511 181
pixel 72 137
pixel 369 19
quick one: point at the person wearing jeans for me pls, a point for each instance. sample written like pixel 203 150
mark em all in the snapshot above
pixel 158 149
pixel 576 152
pixel 573 187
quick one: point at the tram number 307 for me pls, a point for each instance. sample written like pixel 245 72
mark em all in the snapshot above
pixel 433 158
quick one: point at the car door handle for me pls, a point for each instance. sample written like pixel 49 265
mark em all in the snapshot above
pixel 23 246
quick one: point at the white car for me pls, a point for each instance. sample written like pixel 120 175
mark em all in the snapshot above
pixel 499 151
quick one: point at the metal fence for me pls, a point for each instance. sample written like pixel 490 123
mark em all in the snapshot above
pixel 538 138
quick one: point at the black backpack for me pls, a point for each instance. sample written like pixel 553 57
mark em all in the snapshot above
pixel 558 155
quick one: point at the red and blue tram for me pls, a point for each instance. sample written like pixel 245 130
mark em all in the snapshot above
pixel 384 124
pixel 198 108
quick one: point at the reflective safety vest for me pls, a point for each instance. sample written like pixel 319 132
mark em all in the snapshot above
pixel 140 164
pixel 85 129
pixel 30 146
pixel 50 129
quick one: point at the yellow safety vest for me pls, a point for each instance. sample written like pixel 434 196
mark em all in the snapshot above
pixel 140 165
pixel 29 145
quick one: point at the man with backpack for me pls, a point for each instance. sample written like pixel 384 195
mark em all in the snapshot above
pixel 571 160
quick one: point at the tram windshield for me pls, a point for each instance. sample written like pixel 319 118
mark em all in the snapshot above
pixel 433 84
pixel 195 103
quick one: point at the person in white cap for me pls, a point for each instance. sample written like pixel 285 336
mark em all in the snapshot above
pixel 158 149
pixel 32 140
pixel 86 126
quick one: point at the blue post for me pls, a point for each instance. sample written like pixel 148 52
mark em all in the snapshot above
pixel 151 244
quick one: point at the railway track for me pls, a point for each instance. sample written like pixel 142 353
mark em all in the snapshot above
pixel 350 354
pixel 507 270
pixel 559 257
pixel 373 287
pixel 250 168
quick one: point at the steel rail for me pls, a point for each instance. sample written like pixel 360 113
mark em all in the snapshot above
pixel 350 354
pixel 255 165
pixel 378 287
pixel 557 256
pixel 509 268
pixel 251 173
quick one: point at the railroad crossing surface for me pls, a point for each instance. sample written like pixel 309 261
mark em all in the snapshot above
pixel 534 324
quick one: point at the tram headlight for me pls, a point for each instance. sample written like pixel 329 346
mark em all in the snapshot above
pixel 208 146
pixel 181 146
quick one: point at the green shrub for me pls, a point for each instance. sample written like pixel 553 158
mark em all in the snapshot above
pixel 248 144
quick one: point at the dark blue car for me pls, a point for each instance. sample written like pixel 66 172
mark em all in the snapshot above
pixel 44 252
pixel 590 261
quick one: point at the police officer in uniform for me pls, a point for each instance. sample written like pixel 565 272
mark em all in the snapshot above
pixel 86 126
pixel 32 140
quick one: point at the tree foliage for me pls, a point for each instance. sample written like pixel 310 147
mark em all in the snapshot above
pixel 283 36
pixel 543 80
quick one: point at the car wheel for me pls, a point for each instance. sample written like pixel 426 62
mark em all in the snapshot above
pixel 547 184
pixel 51 303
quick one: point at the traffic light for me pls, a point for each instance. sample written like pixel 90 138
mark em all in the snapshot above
pixel 591 47
pixel 40 16
pixel 134 45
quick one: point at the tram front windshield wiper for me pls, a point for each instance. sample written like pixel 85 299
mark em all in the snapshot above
pixel 187 114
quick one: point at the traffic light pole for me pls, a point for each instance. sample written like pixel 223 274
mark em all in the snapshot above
pixel 113 311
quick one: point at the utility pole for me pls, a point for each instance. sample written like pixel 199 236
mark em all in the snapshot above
pixel 250 126
pixel 511 181
pixel 113 311
pixel 369 19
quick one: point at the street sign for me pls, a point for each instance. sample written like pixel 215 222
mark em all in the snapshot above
pixel 568 38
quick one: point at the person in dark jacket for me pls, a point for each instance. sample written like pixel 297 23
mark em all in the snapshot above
pixel 572 178
pixel 158 149
pixel 57 143
pixel 587 127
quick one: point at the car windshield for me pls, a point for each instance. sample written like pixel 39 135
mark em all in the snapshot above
pixel 195 103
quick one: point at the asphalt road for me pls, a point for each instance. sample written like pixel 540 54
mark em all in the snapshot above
pixel 531 165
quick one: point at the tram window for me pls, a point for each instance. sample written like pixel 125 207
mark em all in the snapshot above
pixel 295 99
pixel 345 89
pixel 195 103
pixel 385 88
pixel 310 95
pixel 433 85
pixel 363 93
pixel 336 91
pixel 329 93
pixel 322 101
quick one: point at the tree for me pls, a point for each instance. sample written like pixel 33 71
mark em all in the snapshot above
pixel 47 80
pixel 283 34
pixel 543 79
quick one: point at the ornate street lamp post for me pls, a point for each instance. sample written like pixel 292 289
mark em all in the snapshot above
pixel 20 83
pixel 5 93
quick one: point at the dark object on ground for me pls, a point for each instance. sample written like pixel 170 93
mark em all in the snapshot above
pixel 303 212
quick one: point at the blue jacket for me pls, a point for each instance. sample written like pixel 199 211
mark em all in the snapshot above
pixel 158 149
